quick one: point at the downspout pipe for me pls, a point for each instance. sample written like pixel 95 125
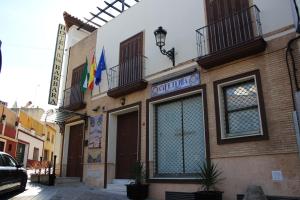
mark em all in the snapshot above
pixel 289 51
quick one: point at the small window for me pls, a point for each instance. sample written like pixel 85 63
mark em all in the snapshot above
pixel 35 154
pixel 240 109
pixel 52 139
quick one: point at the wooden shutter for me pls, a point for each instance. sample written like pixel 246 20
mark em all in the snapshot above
pixel 131 52
pixel 236 28
pixel 76 75
pixel 76 95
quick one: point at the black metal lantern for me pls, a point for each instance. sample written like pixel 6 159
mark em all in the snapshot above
pixel 160 37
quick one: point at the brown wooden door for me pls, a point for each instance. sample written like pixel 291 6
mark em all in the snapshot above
pixel 127 144
pixel 74 165
pixel 131 51
pixel 229 23
pixel 76 95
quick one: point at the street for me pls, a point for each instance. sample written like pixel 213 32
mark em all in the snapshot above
pixel 76 191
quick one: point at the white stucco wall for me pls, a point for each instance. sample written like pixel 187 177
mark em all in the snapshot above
pixel 180 19
pixel 33 143
pixel 274 14
pixel 146 16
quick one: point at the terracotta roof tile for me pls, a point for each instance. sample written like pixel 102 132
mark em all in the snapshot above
pixel 71 20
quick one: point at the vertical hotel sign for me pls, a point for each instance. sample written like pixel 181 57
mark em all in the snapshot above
pixel 57 65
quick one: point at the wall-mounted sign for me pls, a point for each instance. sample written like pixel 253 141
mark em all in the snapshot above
pixel 95 131
pixel 176 84
pixel 57 65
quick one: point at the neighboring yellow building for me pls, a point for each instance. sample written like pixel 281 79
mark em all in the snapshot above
pixel 50 132
pixel 31 136
pixel 32 124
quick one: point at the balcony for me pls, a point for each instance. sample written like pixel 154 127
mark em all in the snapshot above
pixel 127 77
pixel 231 38
pixel 73 98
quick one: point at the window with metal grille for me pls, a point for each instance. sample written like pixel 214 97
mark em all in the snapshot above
pixel 240 113
pixel 241 109
pixel 179 137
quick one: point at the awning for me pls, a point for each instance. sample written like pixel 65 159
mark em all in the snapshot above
pixel 60 116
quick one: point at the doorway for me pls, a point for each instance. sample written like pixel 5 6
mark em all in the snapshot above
pixel 75 159
pixel 127 144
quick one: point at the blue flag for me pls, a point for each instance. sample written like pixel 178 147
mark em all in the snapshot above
pixel 101 66
pixel 0 56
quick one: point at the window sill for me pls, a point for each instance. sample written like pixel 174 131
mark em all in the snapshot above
pixel 242 139
pixel 173 180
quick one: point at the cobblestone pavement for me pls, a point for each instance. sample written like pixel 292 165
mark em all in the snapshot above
pixel 76 191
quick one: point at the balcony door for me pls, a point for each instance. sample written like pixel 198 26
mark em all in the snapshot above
pixel 75 93
pixel 131 52
pixel 229 23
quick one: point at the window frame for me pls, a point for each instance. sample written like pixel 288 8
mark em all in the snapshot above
pixel 220 108
pixel 155 107
pixel 149 131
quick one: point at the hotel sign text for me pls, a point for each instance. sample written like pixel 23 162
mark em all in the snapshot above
pixel 57 65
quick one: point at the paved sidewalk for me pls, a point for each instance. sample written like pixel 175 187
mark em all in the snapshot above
pixel 74 191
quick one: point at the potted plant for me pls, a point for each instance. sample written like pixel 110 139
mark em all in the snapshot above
pixel 210 176
pixel 137 189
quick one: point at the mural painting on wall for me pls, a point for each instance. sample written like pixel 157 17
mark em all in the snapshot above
pixel 94 157
pixel 95 131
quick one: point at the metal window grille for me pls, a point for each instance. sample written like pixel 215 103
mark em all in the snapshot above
pixel 179 138
pixel 241 115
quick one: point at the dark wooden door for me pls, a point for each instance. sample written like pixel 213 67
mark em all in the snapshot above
pixel 130 66
pixel 75 159
pixel 76 95
pixel 229 23
pixel 127 144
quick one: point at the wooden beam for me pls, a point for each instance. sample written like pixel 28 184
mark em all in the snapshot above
pixel 97 16
pixel 89 21
pixel 104 11
pixel 123 1
pixel 111 6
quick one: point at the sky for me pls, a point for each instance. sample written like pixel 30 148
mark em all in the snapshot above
pixel 28 32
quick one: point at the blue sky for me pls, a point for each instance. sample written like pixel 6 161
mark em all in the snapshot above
pixel 28 33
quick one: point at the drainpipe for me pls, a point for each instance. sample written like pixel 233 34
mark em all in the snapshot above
pixel 296 95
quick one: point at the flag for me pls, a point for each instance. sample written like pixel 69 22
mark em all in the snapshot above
pixel 92 73
pixel 100 68
pixel 84 77
pixel 0 56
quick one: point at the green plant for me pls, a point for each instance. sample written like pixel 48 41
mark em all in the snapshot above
pixel 209 175
pixel 138 172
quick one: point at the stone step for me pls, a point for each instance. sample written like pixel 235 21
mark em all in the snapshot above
pixel 121 181
pixel 67 180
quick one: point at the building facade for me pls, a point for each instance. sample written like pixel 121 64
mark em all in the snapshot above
pixel 50 132
pixel 31 137
pixel 228 97
pixel 8 137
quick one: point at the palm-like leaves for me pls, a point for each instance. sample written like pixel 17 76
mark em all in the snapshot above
pixel 209 175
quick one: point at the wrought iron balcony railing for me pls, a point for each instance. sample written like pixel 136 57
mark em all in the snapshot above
pixel 229 32
pixel 73 97
pixel 127 77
